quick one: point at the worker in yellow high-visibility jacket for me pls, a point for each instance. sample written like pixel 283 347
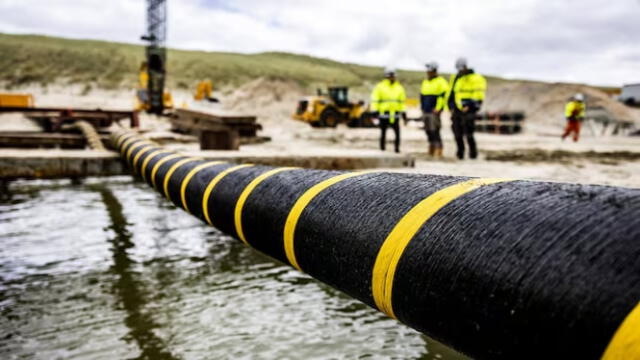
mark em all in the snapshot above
pixel 464 99
pixel 432 99
pixel 388 106
pixel 574 112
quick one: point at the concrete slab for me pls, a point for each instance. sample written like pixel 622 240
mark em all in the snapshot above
pixel 37 163
pixel 46 164
pixel 328 160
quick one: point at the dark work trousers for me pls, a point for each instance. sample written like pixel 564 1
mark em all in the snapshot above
pixel 432 128
pixel 384 124
pixel 463 125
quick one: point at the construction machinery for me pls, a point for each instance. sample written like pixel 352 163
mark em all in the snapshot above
pixel 333 108
pixel 143 99
pixel 204 91
pixel 504 122
pixel 630 95
pixel 16 100
pixel 151 95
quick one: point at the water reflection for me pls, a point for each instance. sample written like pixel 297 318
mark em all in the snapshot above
pixel 109 270
pixel 128 288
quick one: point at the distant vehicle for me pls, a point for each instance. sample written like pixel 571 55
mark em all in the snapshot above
pixel 630 95
pixel 204 91
pixel 333 108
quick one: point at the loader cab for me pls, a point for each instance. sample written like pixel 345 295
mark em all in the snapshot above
pixel 339 95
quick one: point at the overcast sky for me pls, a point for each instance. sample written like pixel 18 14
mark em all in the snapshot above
pixel 591 41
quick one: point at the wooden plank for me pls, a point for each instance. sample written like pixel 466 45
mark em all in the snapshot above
pixel 202 123
pixel 194 123
pixel 194 127
pixel 121 113
pixel 83 115
pixel 105 117
pixel 46 140
pixel 219 140
pixel 227 118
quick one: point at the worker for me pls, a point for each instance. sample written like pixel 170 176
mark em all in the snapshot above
pixel 574 113
pixel 464 99
pixel 432 94
pixel 143 82
pixel 388 106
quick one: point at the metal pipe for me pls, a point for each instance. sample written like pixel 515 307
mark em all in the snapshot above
pixel 495 268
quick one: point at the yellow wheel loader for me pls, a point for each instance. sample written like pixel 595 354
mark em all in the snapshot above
pixel 333 108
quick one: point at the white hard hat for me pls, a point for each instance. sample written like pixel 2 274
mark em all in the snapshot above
pixel 579 97
pixel 432 66
pixel 389 70
pixel 461 63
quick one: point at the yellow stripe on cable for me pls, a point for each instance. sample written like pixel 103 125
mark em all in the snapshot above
pixel 120 138
pixel 116 135
pixel 116 139
pixel 298 208
pixel 212 184
pixel 127 142
pixel 148 158
pixel 156 167
pixel 171 170
pixel 625 344
pixel 393 246
pixel 245 194
pixel 126 137
pixel 185 181
pixel 134 163
pixel 133 147
pixel 127 134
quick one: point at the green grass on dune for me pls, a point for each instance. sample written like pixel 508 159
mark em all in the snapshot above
pixel 43 60
pixel 26 59
pixel 35 59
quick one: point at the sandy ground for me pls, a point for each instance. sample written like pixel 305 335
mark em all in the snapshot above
pixel 578 165
pixel 593 160
pixel 541 155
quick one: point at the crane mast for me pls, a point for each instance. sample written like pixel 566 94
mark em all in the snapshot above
pixel 156 53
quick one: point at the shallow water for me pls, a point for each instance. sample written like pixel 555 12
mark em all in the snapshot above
pixel 108 269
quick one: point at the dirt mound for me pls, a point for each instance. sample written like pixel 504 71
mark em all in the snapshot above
pixel 544 103
pixel 272 101
pixel 263 92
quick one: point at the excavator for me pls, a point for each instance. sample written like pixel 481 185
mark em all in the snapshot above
pixel 145 101
pixel 204 91
pixel 333 108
